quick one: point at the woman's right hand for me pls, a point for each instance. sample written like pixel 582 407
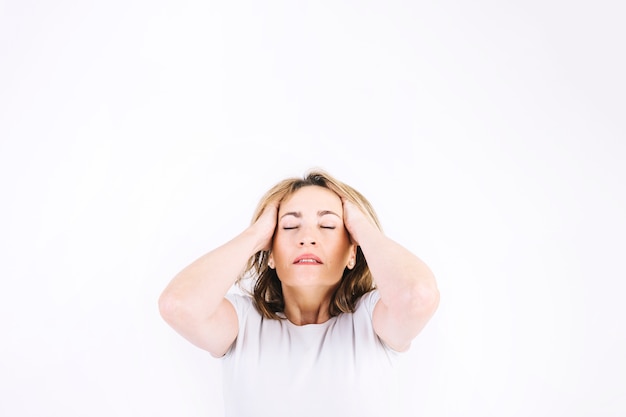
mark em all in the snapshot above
pixel 265 225
pixel 194 303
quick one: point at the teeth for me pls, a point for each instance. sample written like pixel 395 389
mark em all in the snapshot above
pixel 309 261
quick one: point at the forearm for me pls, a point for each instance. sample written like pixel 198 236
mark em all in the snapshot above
pixel 401 277
pixel 201 286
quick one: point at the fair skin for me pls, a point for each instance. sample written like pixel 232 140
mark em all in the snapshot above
pixel 316 237
pixel 310 252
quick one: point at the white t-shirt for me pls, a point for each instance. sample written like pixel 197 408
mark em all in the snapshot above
pixel 337 368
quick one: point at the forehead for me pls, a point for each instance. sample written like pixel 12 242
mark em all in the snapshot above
pixel 311 197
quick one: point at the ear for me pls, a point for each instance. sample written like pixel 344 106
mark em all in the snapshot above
pixel 352 257
pixel 270 261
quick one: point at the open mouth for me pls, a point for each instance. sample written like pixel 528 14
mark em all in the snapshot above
pixel 307 259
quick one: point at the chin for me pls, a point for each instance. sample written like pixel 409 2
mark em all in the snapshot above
pixel 309 280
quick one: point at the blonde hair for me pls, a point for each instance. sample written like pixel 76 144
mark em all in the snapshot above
pixel 267 290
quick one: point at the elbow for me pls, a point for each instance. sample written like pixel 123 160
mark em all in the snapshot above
pixel 170 306
pixel 424 299
pixel 430 299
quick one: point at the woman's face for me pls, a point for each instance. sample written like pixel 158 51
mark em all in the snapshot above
pixel 311 245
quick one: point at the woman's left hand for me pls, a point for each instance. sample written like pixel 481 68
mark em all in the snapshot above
pixel 355 220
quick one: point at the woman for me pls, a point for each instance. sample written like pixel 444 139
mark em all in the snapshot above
pixel 334 301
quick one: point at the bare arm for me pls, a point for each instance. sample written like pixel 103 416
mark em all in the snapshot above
pixel 193 303
pixel 407 287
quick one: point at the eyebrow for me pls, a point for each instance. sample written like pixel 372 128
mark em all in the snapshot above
pixel 320 213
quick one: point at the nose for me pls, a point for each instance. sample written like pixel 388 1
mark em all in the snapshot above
pixel 304 242
pixel 307 237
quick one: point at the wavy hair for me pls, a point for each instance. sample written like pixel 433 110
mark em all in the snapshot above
pixel 267 289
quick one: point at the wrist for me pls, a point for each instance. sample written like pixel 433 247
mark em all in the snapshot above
pixel 363 231
pixel 258 237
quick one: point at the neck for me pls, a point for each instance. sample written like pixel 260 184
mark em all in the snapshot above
pixel 307 306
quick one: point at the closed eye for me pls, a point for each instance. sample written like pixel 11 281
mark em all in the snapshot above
pixel 289 227
pixel 327 227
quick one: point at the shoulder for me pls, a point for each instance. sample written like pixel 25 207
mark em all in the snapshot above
pixel 363 310
pixel 367 302
pixel 364 316
pixel 241 302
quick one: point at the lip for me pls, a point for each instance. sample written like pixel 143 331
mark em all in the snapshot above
pixel 302 259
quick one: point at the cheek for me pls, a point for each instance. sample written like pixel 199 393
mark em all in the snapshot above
pixel 342 251
pixel 345 239
pixel 278 245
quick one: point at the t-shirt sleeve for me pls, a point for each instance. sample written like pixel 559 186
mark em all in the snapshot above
pixel 242 304
pixel 368 301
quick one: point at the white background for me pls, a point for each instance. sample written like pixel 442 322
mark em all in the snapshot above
pixel 490 137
